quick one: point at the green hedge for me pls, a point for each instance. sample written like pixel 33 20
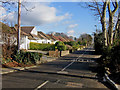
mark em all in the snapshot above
pixel 44 47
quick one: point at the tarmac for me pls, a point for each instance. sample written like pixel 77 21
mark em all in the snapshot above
pixel 15 69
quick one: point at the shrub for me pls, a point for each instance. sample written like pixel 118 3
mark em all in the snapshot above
pixel 7 52
pixel 115 62
pixel 59 43
pixel 27 57
pixel 60 46
pixel 76 46
pixel 79 42
pixel 44 47
pixel 71 43
pixel 98 44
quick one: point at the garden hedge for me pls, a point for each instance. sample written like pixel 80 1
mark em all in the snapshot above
pixel 44 47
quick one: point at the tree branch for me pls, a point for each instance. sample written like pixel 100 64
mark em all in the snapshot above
pixel 116 3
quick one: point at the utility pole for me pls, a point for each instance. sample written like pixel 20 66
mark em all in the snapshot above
pixel 118 21
pixel 19 22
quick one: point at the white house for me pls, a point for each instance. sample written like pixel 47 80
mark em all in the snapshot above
pixel 44 38
pixel 28 34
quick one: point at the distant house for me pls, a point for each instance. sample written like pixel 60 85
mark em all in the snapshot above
pixel 46 38
pixel 28 34
pixel 53 39
pixel 60 38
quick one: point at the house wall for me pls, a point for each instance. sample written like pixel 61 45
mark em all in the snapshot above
pixel 44 41
pixel 24 42
pixel 48 41
pixel 34 31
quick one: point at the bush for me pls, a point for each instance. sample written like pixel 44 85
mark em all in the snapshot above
pixel 7 52
pixel 71 43
pixel 27 57
pixel 111 57
pixel 60 46
pixel 115 62
pixel 98 44
pixel 76 46
pixel 44 47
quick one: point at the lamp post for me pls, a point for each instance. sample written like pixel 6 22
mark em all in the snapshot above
pixel 96 29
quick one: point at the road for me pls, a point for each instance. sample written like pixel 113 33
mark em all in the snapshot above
pixel 75 70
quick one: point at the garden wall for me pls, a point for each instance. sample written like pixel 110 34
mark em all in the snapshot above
pixel 58 53
pixel 63 53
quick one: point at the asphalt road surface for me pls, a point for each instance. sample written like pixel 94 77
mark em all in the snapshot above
pixel 75 70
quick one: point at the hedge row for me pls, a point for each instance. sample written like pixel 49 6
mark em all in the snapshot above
pixel 44 47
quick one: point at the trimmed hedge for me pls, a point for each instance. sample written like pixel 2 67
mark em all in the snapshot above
pixel 44 47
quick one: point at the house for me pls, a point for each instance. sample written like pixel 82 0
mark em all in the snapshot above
pixel 9 36
pixel 53 39
pixel 28 34
pixel 46 38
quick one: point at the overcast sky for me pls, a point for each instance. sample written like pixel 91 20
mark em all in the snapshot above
pixel 66 17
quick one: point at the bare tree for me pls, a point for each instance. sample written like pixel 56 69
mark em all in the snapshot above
pixel 100 10
pixel 103 22
pixel 116 30
pixel 111 23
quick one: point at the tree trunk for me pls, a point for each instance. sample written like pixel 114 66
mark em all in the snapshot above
pixel 111 22
pixel 103 22
pixel 116 30
pixel 110 31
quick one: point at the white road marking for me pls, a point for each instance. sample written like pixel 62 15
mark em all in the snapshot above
pixel 67 66
pixel 73 61
pixel 41 85
pixel 57 81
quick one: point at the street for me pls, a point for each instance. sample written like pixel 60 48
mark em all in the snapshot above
pixel 75 70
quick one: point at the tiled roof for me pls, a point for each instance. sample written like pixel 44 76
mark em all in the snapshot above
pixel 61 39
pixel 35 36
pixel 15 31
pixel 43 35
pixel 52 37
pixel 40 36
pixel 56 38
pixel 31 37
pixel 27 29
pixel 67 39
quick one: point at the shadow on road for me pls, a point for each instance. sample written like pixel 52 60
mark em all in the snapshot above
pixel 70 75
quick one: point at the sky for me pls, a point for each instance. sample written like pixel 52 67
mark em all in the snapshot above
pixel 67 17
